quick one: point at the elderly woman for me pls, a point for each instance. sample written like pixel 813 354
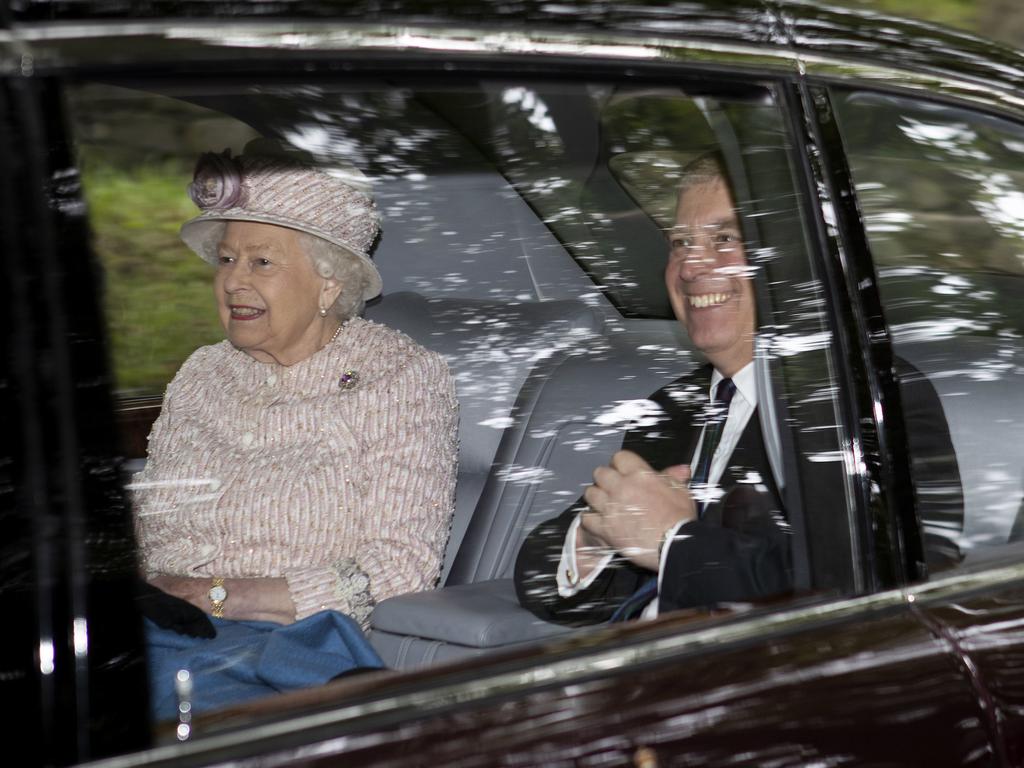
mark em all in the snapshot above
pixel 307 463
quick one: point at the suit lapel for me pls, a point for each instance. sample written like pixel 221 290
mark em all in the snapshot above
pixel 748 469
pixel 685 403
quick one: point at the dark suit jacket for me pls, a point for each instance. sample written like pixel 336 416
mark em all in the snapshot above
pixel 737 551
pixel 740 549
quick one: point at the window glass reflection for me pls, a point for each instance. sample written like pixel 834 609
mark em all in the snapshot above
pixel 942 192
pixel 535 236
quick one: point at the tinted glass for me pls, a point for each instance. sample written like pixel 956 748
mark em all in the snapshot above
pixel 136 153
pixel 526 235
pixel 942 194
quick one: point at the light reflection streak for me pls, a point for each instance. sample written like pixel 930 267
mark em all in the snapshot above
pixel 986 630
pixel 537 110
pixel 953 138
pixel 827 457
pixel 515 473
pixel 80 633
pixel 46 657
pixel 497 422
pixel 1004 208
pixel 888 221
pixel 937 329
pixel 786 344
pixel 631 413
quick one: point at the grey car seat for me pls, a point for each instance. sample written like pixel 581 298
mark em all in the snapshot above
pixel 562 392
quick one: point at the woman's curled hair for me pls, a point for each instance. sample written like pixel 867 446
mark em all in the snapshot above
pixel 334 262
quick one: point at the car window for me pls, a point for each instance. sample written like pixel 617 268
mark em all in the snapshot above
pixel 136 152
pixel 942 194
pixel 526 232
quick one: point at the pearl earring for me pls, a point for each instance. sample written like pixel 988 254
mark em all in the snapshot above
pixel 323 312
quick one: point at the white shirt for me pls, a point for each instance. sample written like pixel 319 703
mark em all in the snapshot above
pixel 740 409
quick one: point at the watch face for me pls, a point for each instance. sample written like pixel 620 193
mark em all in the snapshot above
pixel 218 594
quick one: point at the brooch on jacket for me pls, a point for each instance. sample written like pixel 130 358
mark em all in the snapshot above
pixel 348 380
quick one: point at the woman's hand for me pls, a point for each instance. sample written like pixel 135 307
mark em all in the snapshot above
pixel 265 599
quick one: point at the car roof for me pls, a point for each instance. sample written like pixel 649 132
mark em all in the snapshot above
pixel 820 36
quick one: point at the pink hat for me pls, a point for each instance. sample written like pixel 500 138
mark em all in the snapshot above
pixel 271 187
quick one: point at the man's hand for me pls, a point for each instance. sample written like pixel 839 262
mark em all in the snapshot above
pixel 631 508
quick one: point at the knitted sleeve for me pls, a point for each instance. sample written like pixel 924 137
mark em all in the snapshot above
pixel 158 491
pixel 407 486
pixel 165 437
pixel 150 501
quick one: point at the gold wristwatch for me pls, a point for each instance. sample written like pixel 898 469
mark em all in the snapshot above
pixel 218 594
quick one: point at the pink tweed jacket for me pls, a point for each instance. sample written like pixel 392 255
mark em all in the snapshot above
pixel 336 473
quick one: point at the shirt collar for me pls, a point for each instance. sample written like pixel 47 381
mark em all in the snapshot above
pixel 744 379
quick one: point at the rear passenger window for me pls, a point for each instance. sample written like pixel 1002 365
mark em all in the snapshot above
pixel 528 232
pixel 136 152
pixel 942 194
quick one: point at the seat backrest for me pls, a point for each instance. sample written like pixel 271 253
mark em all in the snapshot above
pixel 491 347
pixel 568 419
pixel 981 398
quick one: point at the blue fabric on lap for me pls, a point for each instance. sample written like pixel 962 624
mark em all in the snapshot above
pixel 250 659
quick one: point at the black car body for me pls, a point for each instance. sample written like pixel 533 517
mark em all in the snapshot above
pixel 880 167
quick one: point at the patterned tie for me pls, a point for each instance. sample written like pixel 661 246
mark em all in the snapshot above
pixel 635 603
pixel 713 428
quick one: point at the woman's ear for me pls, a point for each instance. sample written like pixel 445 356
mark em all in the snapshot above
pixel 330 292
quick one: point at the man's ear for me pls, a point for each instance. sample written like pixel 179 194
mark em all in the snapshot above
pixel 329 292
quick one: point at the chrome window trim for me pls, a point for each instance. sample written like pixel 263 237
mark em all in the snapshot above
pixel 942 589
pixel 304 37
pixel 46 42
pixel 930 84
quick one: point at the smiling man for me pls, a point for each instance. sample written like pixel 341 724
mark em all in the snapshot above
pixel 687 513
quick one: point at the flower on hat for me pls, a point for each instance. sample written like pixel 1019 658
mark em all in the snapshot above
pixel 217 182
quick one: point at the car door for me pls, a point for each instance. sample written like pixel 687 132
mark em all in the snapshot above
pixel 73 672
pixel 848 671
pixel 938 185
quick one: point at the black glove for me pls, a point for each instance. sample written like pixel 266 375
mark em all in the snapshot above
pixel 170 612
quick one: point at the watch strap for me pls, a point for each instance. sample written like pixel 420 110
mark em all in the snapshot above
pixel 218 595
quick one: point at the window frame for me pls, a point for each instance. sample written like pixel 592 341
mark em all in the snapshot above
pixel 875 339
pixel 79 644
pixel 630 642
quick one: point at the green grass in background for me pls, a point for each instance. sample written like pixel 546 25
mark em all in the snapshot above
pixel 964 14
pixel 159 296
pixel 1001 20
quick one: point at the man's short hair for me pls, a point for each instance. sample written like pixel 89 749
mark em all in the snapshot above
pixel 703 169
